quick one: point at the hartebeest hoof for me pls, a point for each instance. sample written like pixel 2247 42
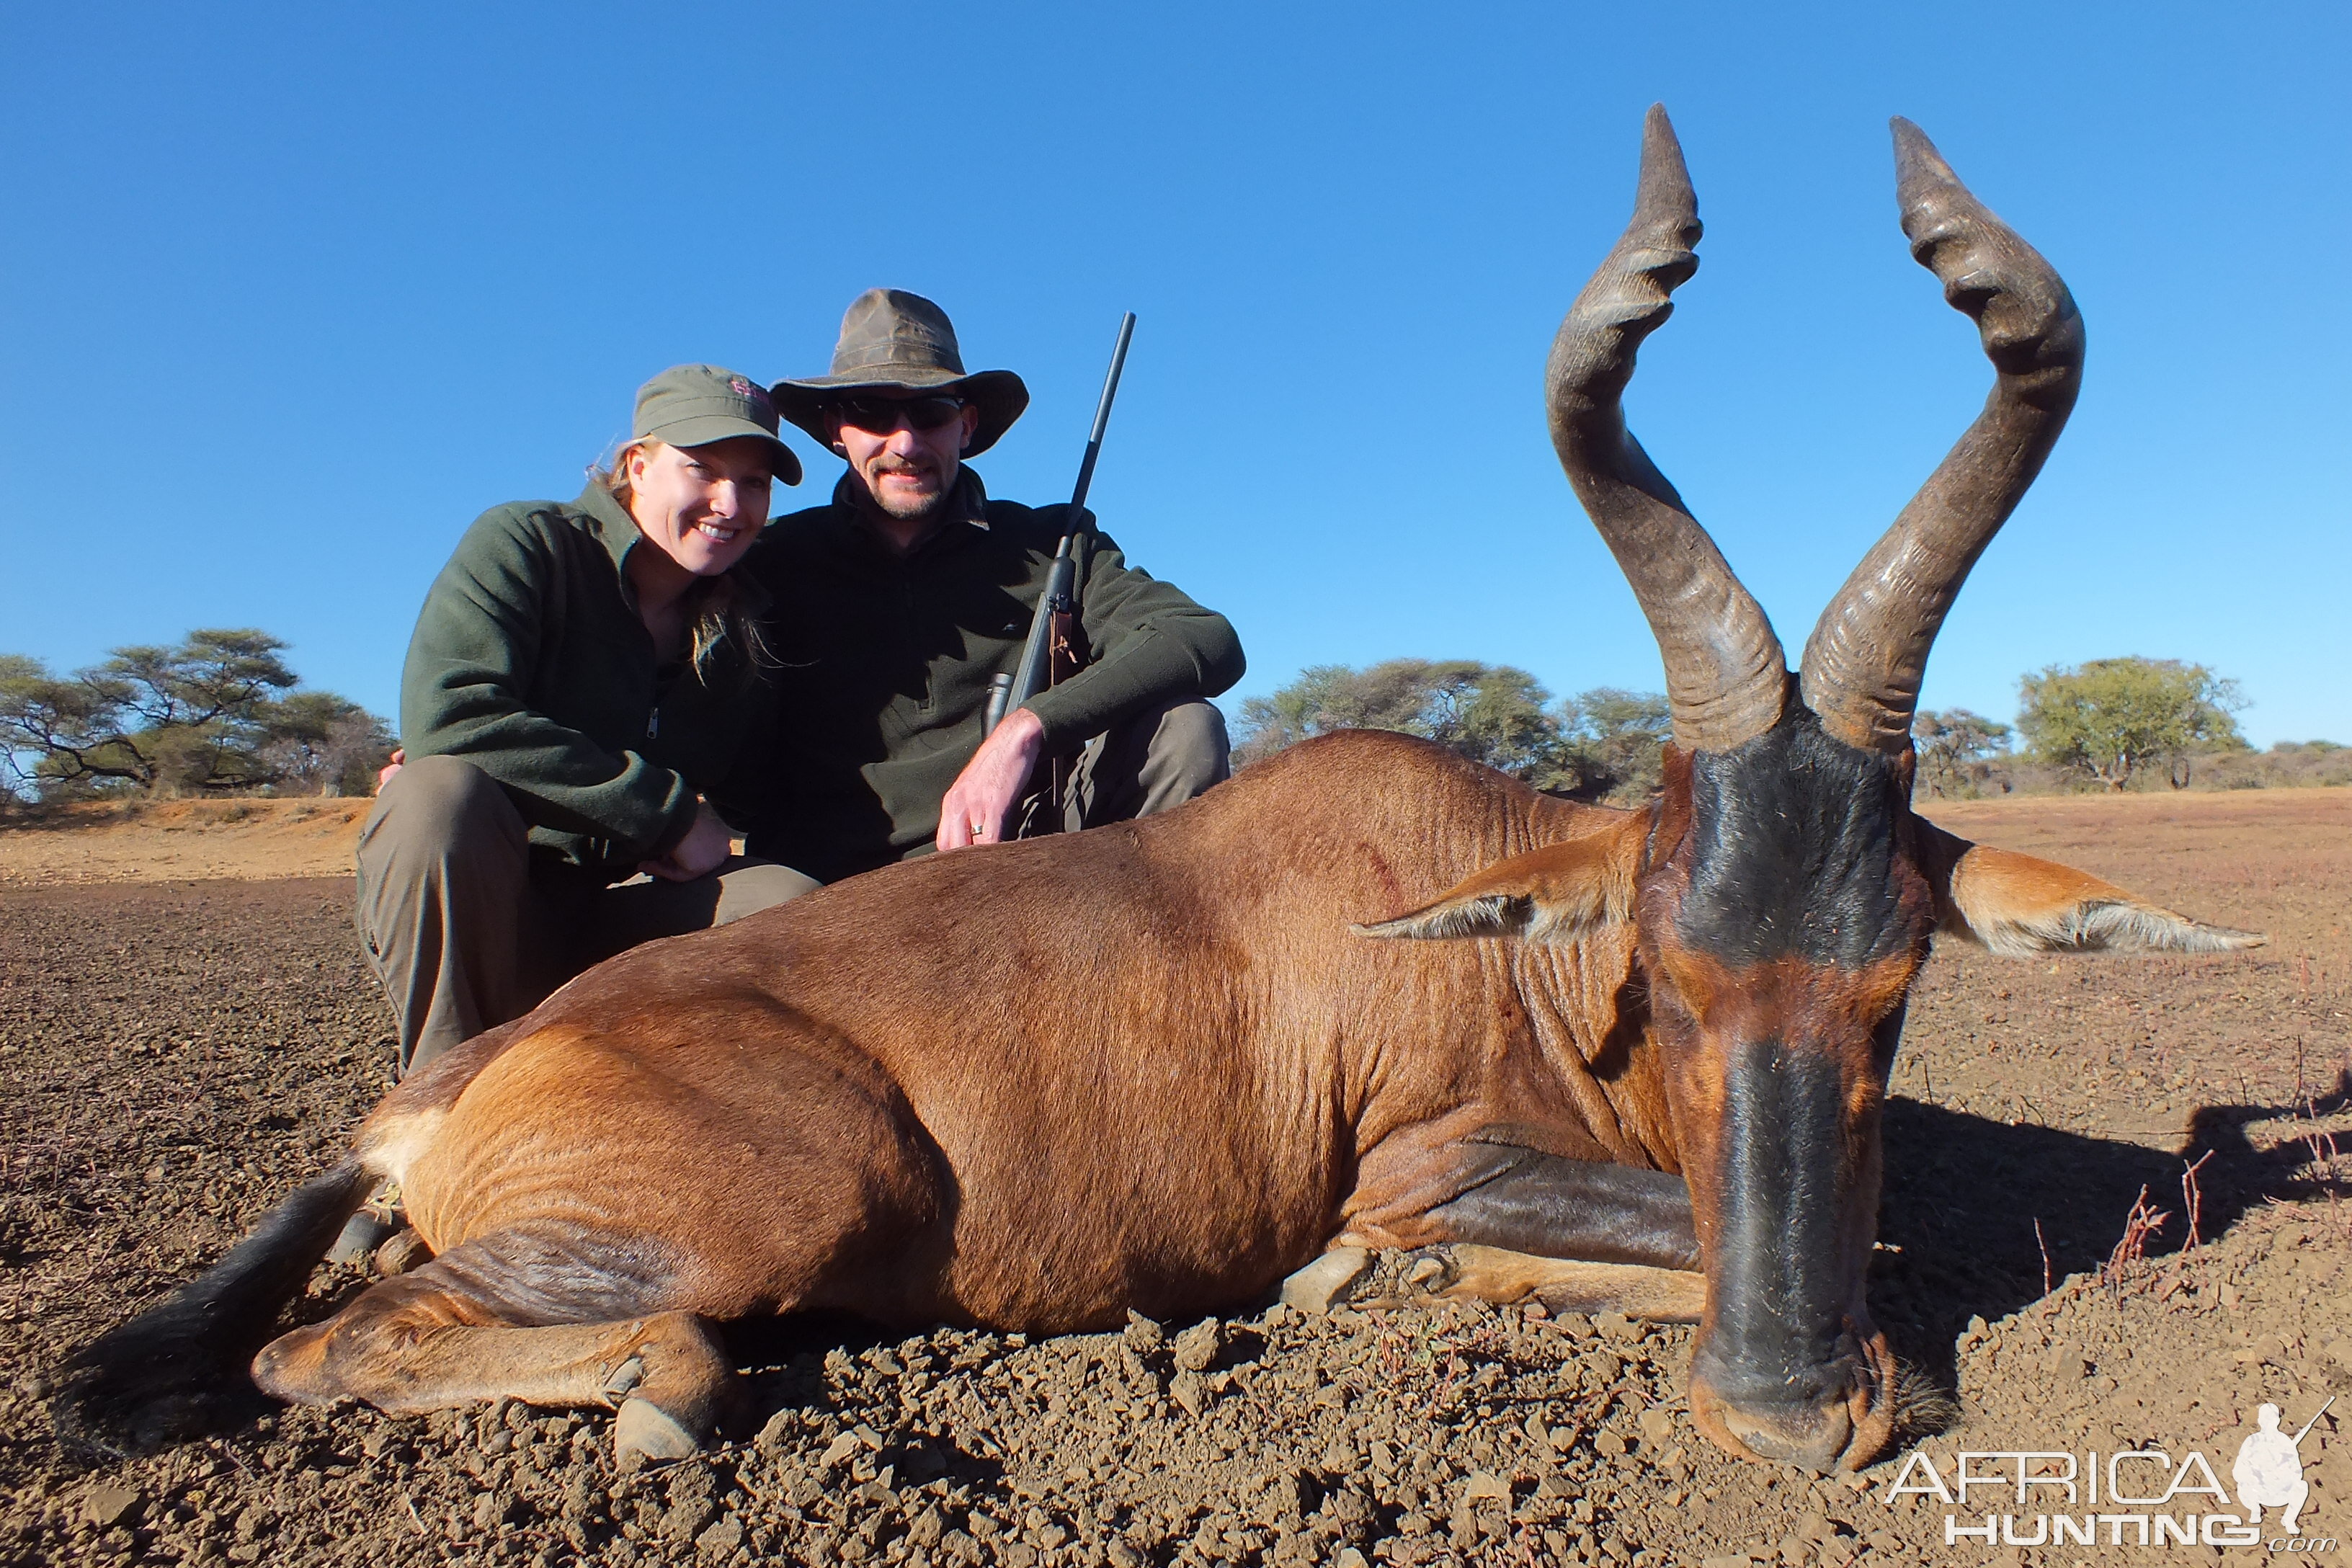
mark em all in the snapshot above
pixel 406 1251
pixel 669 1390
pixel 1323 1283
pixel 646 1429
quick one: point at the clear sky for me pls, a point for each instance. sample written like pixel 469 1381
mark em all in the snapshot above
pixel 289 294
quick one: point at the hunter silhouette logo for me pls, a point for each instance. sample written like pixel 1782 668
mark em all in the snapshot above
pixel 2269 1469
pixel 2136 1497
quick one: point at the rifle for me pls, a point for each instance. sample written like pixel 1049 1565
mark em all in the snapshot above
pixel 1051 653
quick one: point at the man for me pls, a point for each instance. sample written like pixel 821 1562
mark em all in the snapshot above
pixel 895 603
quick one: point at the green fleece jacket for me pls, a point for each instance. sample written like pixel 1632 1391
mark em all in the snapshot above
pixel 886 664
pixel 530 661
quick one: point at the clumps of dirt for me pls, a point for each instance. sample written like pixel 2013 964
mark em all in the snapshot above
pixel 2166 1356
pixel 2130 1362
pixel 1278 1439
pixel 1433 1434
pixel 176 1059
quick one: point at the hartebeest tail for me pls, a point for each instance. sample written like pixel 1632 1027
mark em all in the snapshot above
pixel 159 1372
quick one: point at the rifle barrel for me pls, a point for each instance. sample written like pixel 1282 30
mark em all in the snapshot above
pixel 1000 692
pixel 1032 674
pixel 1102 414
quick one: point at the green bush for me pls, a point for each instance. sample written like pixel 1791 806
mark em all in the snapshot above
pixel 2105 721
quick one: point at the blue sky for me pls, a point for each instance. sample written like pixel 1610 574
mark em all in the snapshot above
pixel 289 294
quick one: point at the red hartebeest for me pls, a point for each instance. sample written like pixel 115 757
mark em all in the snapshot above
pixel 1158 1065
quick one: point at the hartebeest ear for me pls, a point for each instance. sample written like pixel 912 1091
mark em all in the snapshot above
pixel 2016 905
pixel 1555 894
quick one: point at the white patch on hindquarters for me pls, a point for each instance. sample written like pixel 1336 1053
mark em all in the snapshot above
pixel 396 1145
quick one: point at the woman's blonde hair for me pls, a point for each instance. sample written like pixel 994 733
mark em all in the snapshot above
pixel 715 614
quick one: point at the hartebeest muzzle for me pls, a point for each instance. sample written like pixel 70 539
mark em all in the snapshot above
pixel 1789 1366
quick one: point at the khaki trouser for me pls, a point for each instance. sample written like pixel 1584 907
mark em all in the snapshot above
pixel 1151 763
pixel 467 933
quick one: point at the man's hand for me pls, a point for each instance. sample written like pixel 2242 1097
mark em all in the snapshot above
pixel 984 793
pixel 704 849
pixel 384 774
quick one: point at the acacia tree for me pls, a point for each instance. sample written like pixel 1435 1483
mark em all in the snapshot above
pixel 1589 745
pixel 1492 713
pixel 2111 718
pixel 1615 740
pixel 324 744
pixel 203 716
pixel 1958 750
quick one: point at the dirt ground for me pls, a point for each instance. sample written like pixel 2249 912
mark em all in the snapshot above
pixel 180 840
pixel 177 1055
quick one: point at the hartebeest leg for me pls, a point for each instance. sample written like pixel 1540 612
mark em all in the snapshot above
pixel 1512 1222
pixel 1489 1185
pixel 1562 1285
pixel 1576 1234
pixel 1466 1270
pixel 1556 1207
pixel 461 1330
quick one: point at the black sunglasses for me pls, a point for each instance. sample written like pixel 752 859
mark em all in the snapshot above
pixel 881 415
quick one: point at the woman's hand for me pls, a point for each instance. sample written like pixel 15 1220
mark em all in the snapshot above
pixel 705 848
pixel 391 766
pixel 984 793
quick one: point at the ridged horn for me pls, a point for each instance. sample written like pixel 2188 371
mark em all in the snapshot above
pixel 1864 660
pixel 1727 680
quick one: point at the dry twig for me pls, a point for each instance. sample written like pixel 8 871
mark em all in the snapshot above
pixel 2140 1224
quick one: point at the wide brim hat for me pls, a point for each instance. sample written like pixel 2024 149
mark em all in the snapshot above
pixel 892 341
pixel 697 404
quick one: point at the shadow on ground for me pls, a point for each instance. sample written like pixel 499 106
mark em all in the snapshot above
pixel 1964 1196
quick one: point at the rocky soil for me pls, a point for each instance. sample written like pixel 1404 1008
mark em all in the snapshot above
pixel 177 1056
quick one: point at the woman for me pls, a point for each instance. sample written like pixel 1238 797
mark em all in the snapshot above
pixel 577 691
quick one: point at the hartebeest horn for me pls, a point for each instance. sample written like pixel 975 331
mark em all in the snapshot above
pixel 1863 662
pixel 1727 678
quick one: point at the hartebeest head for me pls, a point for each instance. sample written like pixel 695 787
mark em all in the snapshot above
pixel 1784 892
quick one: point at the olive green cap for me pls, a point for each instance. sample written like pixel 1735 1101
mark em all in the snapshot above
pixel 695 405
